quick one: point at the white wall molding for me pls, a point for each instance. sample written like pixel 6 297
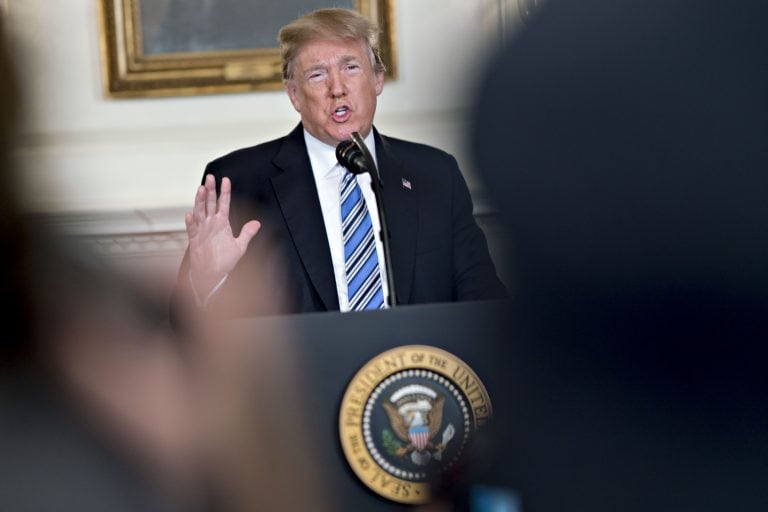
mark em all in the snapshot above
pixel 152 242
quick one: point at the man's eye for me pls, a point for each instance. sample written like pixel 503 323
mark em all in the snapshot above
pixel 316 77
pixel 352 67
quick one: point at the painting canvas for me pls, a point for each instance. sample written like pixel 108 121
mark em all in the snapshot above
pixel 174 26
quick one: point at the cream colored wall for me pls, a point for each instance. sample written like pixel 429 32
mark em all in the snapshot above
pixel 83 152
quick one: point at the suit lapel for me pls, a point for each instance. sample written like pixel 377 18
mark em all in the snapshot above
pixel 297 195
pixel 401 209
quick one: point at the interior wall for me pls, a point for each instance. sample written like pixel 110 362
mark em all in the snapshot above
pixel 83 152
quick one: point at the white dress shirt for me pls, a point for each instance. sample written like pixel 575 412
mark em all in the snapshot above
pixel 328 173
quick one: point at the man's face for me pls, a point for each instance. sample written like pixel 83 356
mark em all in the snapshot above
pixel 334 89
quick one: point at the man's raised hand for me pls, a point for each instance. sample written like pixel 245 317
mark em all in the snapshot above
pixel 213 249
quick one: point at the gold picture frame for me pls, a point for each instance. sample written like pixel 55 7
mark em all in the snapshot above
pixel 138 66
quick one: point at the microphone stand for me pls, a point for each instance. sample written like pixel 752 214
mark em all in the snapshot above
pixel 377 185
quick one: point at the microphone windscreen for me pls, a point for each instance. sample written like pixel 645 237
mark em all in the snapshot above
pixel 350 156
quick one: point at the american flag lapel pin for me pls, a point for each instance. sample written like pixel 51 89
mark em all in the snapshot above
pixel 406 184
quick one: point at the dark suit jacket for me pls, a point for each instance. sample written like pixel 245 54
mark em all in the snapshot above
pixel 439 253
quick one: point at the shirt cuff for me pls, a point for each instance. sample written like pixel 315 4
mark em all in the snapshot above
pixel 204 303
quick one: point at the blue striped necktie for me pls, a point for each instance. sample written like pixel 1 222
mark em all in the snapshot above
pixel 361 262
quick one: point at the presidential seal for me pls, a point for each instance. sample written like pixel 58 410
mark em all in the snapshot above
pixel 407 414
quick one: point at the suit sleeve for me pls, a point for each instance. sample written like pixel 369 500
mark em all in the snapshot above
pixel 474 272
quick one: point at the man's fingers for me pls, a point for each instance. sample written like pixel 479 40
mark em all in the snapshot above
pixel 226 195
pixel 249 231
pixel 199 209
pixel 189 220
pixel 210 201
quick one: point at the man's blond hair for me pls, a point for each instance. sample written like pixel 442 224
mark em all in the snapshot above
pixel 328 24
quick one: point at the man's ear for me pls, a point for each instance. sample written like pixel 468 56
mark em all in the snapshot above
pixel 379 76
pixel 290 88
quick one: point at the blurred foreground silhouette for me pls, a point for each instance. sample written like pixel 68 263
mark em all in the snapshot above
pixel 626 144
pixel 102 407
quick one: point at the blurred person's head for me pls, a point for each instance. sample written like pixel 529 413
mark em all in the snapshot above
pixel 634 163
pixel 625 144
pixel 77 335
pixel 145 409
pixel 333 72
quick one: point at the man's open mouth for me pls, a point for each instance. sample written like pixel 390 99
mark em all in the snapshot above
pixel 341 114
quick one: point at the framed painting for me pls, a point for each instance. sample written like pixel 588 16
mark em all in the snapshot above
pixel 187 47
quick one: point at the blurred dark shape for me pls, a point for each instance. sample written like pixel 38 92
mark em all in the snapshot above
pixel 53 456
pixel 14 273
pixel 102 409
pixel 92 406
pixel 626 145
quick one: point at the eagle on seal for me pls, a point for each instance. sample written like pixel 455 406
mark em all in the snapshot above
pixel 416 414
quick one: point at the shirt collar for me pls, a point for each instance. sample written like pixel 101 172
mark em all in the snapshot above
pixel 323 157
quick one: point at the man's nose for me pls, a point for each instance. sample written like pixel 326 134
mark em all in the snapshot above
pixel 336 85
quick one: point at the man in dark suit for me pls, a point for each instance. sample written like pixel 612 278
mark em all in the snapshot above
pixel 301 197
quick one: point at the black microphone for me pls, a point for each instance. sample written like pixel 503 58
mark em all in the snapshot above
pixel 351 156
